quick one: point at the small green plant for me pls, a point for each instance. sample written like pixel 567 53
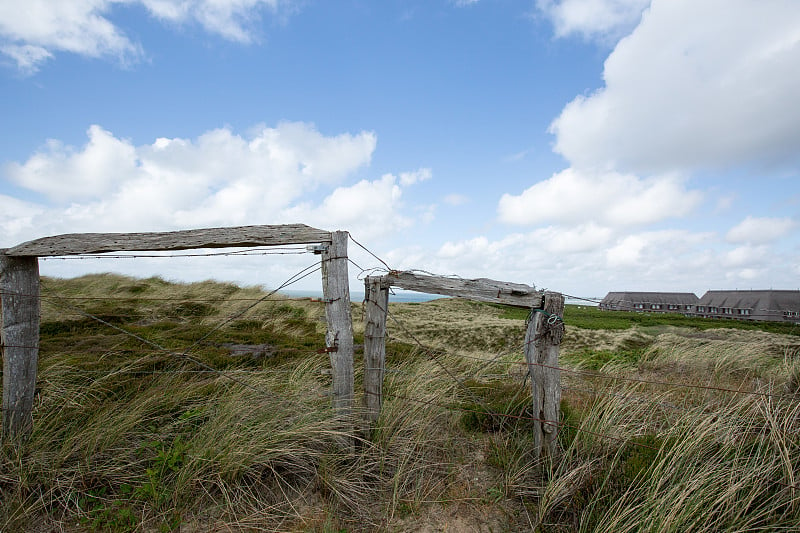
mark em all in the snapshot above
pixel 494 494
pixel 160 475
pixel 102 513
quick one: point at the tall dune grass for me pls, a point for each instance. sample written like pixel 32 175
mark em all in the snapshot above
pixel 128 437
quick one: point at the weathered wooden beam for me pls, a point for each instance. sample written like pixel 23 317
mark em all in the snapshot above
pixel 93 243
pixel 339 337
pixel 19 292
pixel 482 289
pixel 542 340
pixel 377 301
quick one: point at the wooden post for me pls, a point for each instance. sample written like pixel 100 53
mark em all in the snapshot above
pixel 19 291
pixel 339 338
pixel 542 340
pixel 377 302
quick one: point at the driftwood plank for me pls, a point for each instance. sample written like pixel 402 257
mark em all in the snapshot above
pixel 93 243
pixel 19 287
pixel 482 289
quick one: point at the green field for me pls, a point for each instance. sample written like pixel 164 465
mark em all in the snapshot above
pixel 668 423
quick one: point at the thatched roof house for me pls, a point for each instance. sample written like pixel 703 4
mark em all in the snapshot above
pixel 652 302
pixel 777 306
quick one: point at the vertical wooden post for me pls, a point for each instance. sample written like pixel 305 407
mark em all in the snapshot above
pixel 542 340
pixel 19 291
pixel 377 302
pixel 339 337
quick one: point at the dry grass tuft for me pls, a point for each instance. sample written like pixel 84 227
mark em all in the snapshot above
pixel 128 437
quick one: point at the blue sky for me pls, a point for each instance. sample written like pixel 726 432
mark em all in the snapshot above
pixel 579 145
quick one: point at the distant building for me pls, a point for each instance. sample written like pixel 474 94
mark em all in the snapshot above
pixel 776 306
pixel 651 302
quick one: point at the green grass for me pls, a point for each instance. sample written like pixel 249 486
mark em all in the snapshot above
pixel 590 317
pixel 129 437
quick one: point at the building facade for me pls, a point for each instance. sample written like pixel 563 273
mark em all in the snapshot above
pixel 763 305
pixel 651 302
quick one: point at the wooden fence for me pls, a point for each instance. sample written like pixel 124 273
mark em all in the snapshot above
pixel 542 339
pixel 19 292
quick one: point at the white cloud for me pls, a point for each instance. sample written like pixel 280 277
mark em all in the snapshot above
pixel 676 260
pixel 627 252
pixel 17 216
pixel 27 57
pixel 410 178
pixel 231 19
pixel 609 198
pixel 29 35
pixel 570 240
pixel 220 178
pixel 290 173
pixel 549 240
pixel 581 260
pixel 33 34
pixel 755 230
pixel 593 19
pixel 696 85
pixel 366 209
pixel 745 256
pixel 61 173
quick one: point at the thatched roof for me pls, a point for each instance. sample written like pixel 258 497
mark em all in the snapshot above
pixel 758 301
pixel 664 298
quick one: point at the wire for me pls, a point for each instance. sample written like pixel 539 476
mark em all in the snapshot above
pixel 185 354
pixel 433 357
pixel 592 300
pixel 368 251
pixel 516 417
pixel 293 279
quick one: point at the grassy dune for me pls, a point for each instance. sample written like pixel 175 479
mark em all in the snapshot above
pixel 135 433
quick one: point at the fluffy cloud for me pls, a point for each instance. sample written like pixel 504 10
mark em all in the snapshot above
pixel 754 230
pixel 367 209
pixel 62 173
pixel 219 166
pixel 231 19
pixel 663 251
pixel 603 19
pixel 27 57
pixel 547 241
pixel 609 198
pixel 17 216
pixel 696 85
pixel 746 256
pixel 30 36
pixel 571 240
pixel 584 259
pixel 273 175
pixel 220 178
pixel 410 178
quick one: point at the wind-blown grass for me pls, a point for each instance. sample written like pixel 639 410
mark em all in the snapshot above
pixel 128 436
